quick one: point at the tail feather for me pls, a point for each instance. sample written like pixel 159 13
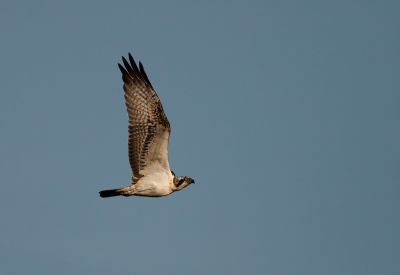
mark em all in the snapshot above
pixel 109 193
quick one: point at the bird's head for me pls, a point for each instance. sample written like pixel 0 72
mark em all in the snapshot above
pixel 182 182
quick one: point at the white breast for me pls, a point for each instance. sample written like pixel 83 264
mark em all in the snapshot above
pixel 156 181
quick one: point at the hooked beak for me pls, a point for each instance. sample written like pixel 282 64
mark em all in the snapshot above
pixel 192 181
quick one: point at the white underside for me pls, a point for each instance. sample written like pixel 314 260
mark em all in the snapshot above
pixel 157 179
pixel 156 182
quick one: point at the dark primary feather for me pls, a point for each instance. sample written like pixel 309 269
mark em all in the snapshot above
pixel 145 112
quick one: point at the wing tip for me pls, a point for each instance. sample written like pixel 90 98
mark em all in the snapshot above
pixel 122 69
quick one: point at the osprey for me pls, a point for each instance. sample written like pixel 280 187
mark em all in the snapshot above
pixel 149 131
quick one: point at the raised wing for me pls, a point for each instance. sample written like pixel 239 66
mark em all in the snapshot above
pixel 149 128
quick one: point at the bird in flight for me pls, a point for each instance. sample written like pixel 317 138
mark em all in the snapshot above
pixel 149 131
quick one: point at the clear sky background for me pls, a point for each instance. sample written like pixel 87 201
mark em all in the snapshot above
pixel 286 114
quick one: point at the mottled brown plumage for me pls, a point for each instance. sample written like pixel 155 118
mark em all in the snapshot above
pixel 145 112
pixel 149 131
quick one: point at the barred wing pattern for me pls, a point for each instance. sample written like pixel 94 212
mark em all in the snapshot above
pixel 148 124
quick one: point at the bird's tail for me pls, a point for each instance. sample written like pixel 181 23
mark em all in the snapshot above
pixel 110 193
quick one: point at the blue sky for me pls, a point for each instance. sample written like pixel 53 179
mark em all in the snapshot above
pixel 286 114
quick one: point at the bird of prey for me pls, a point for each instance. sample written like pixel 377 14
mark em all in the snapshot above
pixel 149 131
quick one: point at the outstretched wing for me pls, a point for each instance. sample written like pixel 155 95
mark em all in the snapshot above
pixel 149 128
